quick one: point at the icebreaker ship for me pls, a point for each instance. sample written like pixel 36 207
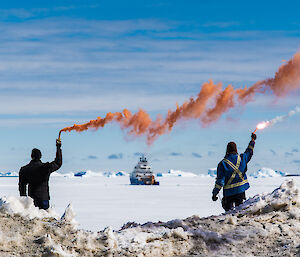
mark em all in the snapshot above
pixel 142 174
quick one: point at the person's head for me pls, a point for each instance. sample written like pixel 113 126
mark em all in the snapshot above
pixel 231 148
pixel 36 154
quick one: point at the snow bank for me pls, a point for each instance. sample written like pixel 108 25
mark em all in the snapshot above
pixel 265 225
pixel 176 173
pixel 267 172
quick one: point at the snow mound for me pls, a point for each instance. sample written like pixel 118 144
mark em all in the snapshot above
pixel 69 216
pixel 265 225
pixel 57 174
pixel 286 197
pixel 176 173
pixel 267 172
pixel 24 207
pixel 90 173
pixel 111 174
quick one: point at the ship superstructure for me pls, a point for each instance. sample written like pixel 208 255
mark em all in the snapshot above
pixel 142 173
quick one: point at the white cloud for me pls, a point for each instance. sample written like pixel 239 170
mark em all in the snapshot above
pixel 15 12
pixel 66 65
pixel 16 122
pixel 86 104
pixel 22 13
pixel 221 24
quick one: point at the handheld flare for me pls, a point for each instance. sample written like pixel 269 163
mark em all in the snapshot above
pixel 269 123
pixel 261 125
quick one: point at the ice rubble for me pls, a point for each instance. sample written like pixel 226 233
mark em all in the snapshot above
pixel 9 174
pixel 267 172
pixel 176 173
pixel 265 225
pixel 261 173
pixel 212 172
pixel 89 173
pixel 286 197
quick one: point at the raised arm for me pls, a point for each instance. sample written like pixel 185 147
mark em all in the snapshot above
pixel 249 151
pixel 56 164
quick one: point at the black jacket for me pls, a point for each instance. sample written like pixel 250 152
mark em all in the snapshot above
pixel 36 174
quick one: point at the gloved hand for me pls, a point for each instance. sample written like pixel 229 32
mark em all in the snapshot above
pixel 214 198
pixel 58 142
pixel 253 136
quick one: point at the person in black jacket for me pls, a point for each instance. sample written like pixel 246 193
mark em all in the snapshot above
pixel 36 175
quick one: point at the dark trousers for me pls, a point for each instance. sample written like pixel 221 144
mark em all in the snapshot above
pixel 42 204
pixel 228 202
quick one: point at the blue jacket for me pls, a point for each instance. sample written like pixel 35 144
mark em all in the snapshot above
pixel 231 173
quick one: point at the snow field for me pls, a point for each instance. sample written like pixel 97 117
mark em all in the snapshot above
pixel 265 225
pixel 101 201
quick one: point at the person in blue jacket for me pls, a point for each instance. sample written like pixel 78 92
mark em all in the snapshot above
pixel 231 175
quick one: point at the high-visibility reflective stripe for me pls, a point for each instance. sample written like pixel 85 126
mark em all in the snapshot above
pixel 250 147
pixel 240 174
pixel 236 171
pixel 238 162
pixel 230 164
pixel 235 168
pixel 236 184
pixel 218 186
pixel 231 178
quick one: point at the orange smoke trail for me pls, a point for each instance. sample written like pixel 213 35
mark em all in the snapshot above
pixel 138 123
pixel 286 79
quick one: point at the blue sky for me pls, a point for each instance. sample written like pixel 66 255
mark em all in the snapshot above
pixel 65 62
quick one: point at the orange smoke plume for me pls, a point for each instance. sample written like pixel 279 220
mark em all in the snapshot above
pixel 209 105
pixel 286 79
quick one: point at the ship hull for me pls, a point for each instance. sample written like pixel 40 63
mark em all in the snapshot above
pixel 135 181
